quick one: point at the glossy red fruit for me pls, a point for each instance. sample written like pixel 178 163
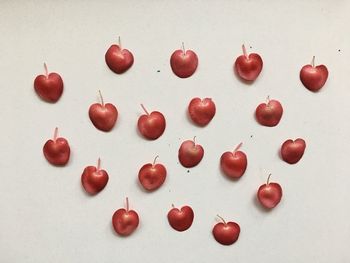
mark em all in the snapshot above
pixel 190 153
pixel 234 164
pixel 248 67
pixel 152 175
pixel 313 77
pixel 269 114
pixel 183 62
pixel 201 111
pixel 226 233
pixel 292 151
pixel 151 125
pixel 103 116
pixel 49 87
pixel 57 150
pixel 94 179
pixel 125 221
pixel 269 194
pixel 181 219
pixel 119 60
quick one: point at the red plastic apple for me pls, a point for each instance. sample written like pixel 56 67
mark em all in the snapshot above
pixel 119 60
pixel 181 219
pixel 313 77
pixel 190 153
pixel 201 111
pixel 151 125
pixel 103 116
pixel 234 164
pixel 269 194
pixel 292 151
pixel 94 179
pixel 226 233
pixel 248 67
pixel 152 175
pixel 183 62
pixel 269 114
pixel 57 150
pixel 49 87
pixel 125 221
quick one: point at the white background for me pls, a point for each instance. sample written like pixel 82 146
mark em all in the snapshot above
pixel 46 217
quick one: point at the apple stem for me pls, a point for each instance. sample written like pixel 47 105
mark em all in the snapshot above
pixel 223 220
pixel 119 42
pixel 46 70
pixel 98 164
pixel 155 159
pixel 183 49
pixel 143 107
pixel 237 147
pixel 55 134
pixel 103 104
pixel 268 179
pixel 313 61
pixel 194 140
pixel 268 99
pixel 127 204
pixel 244 51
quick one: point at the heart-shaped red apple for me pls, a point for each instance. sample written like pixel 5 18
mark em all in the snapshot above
pixel 201 111
pixel 125 221
pixel 313 77
pixel 57 150
pixel 151 125
pixel 94 179
pixel 226 233
pixel 49 87
pixel 183 62
pixel 152 175
pixel 190 153
pixel 234 164
pixel 269 114
pixel 103 116
pixel 269 194
pixel 181 219
pixel 248 67
pixel 292 151
pixel 118 59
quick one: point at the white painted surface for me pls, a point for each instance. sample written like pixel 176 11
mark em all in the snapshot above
pixel 46 217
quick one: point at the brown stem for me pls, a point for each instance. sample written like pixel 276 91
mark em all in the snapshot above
pixel 268 99
pixel 55 134
pixel 155 159
pixel 143 107
pixel 223 220
pixel 183 49
pixel 103 104
pixel 237 147
pixel 194 140
pixel 98 164
pixel 46 70
pixel 268 179
pixel 127 204
pixel 119 42
pixel 244 51
pixel 313 61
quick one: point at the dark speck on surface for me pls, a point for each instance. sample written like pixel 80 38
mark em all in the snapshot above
pixel 338 50
pixel 158 70
pixel 250 46
pixel 188 171
pixel 251 136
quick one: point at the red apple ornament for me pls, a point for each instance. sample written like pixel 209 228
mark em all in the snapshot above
pixel 94 179
pixel 181 219
pixel 226 233
pixel 201 111
pixel 183 62
pixel 269 194
pixel 313 77
pixel 119 60
pixel 269 114
pixel 125 221
pixel 248 67
pixel 151 125
pixel 190 153
pixel 49 87
pixel 234 164
pixel 103 116
pixel 292 151
pixel 57 150
pixel 152 175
